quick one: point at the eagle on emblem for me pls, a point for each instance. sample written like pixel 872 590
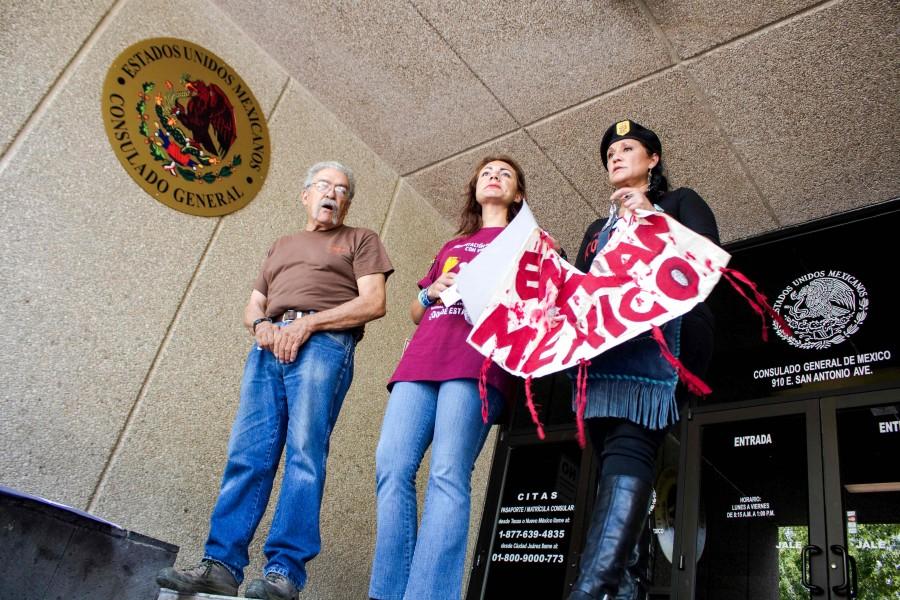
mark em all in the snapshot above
pixel 207 107
pixel 824 298
pixel 824 312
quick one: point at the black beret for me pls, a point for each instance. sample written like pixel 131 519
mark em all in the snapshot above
pixel 630 130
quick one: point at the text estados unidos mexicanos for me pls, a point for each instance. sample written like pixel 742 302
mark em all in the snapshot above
pixel 825 369
pixel 815 275
pixel 118 106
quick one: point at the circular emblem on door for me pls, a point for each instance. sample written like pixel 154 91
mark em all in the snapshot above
pixel 823 309
pixel 186 127
pixel 662 514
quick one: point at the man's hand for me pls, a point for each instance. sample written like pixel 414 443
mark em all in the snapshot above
pixel 288 339
pixel 265 335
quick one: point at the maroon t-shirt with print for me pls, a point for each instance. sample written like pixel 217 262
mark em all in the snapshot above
pixel 438 350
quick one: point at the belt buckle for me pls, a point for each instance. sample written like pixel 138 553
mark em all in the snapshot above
pixel 290 315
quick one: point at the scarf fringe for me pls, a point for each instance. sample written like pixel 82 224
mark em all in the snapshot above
pixel 482 387
pixel 581 399
pixel 529 402
pixel 693 383
pixel 652 406
pixel 758 303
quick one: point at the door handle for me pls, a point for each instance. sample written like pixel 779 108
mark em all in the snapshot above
pixel 854 583
pixel 809 550
pixel 844 588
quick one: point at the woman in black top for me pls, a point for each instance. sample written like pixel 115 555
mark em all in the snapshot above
pixel 632 391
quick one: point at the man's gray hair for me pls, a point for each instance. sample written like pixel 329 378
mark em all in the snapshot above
pixel 330 164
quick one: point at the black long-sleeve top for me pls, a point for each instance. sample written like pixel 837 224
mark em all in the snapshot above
pixel 685 206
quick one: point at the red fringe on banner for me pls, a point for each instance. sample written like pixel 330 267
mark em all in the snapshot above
pixel 581 398
pixel 693 383
pixel 758 303
pixel 482 387
pixel 529 402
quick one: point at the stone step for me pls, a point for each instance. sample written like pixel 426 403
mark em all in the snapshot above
pixel 167 594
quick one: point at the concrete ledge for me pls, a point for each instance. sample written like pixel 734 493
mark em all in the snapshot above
pixel 48 550
pixel 167 594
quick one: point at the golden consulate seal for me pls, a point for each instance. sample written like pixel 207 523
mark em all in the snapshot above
pixel 186 127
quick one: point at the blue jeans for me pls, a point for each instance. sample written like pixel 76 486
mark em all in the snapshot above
pixel 296 405
pixel 446 415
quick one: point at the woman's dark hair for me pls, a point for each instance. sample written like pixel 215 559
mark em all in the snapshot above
pixel 470 217
pixel 659 185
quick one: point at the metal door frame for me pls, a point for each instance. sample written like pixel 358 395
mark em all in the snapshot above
pixel 834 509
pixel 823 481
pixel 687 512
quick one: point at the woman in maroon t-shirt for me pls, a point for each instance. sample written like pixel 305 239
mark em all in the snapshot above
pixel 435 401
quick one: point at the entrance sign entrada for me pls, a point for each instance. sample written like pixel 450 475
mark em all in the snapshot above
pixel 186 127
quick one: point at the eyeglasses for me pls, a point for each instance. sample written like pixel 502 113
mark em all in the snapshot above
pixel 323 187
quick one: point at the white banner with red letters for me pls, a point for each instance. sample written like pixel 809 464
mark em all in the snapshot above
pixel 545 315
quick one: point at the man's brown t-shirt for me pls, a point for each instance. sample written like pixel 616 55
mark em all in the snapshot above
pixel 317 270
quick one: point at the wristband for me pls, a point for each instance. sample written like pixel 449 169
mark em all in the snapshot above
pixel 424 300
pixel 260 320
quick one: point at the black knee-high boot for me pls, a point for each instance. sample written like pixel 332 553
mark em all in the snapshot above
pixel 636 578
pixel 618 520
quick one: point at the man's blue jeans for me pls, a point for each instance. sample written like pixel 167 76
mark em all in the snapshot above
pixel 293 405
pixel 428 563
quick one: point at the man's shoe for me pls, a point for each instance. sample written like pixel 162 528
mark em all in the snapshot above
pixel 273 587
pixel 208 577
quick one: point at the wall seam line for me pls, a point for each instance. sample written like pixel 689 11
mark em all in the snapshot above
pixel 228 17
pixel 545 118
pixel 275 106
pixel 390 211
pixel 703 99
pixel 466 64
pixel 629 84
pixel 148 377
pixel 459 153
pixel 729 143
pixel 658 30
pixel 543 152
pixel 57 86
pixel 747 35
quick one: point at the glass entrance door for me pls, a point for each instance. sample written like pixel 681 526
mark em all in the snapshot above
pixel 798 500
pixel 862 479
pixel 756 518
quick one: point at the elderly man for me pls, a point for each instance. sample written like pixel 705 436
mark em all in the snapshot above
pixel 316 290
